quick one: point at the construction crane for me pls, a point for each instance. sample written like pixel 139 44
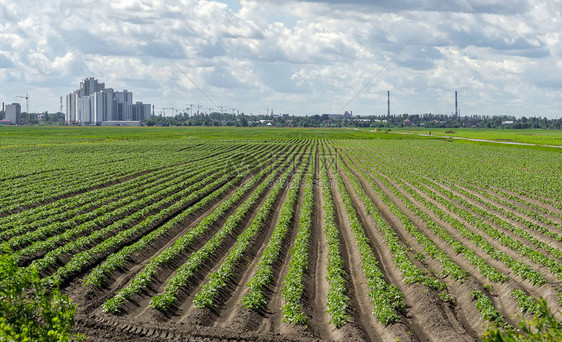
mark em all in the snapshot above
pixel 190 108
pixel 26 97
pixel 223 108
pixel 166 108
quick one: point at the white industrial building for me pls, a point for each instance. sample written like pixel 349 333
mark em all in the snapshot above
pixel 13 113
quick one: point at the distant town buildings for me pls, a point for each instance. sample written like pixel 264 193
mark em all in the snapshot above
pixel 93 104
pixel 346 115
pixel 13 113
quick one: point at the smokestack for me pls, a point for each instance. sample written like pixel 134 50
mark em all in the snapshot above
pixel 456 105
pixel 388 102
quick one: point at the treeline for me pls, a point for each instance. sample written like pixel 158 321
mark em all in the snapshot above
pixel 44 118
pixel 326 120
pixel 375 121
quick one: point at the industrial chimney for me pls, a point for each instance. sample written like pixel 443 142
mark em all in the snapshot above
pixel 456 105
pixel 388 102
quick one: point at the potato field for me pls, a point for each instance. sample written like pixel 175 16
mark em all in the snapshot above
pixel 195 237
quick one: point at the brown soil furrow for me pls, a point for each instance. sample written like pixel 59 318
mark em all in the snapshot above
pixel 139 306
pixel 550 241
pixel 138 261
pixel 497 264
pixel 555 215
pixel 464 308
pixel 433 318
pixel 526 198
pixel 513 210
pixel 273 321
pixel 461 290
pixel 318 270
pixel 158 284
pixel 232 313
pixel 105 329
pixel 233 293
pixel 359 291
pixel 547 291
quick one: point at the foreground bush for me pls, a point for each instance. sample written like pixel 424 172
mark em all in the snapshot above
pixel 543 327
pixel 29 311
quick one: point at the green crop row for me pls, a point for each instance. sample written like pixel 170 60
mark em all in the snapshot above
pixel 487 310
pixel 534 214
pixel 535 256
pixel 188 269
pixel 69 208
pixel 449 267
pixel 293 288
pixel 255 298
pixel 121 216
pixel 207 295
pixel 411 273
pixel 112 211
pixel 526 302
pixel 338 300
pixel 520 268
pixel 385 297
pixel 149 205
pixel 116 260
pixel 485 269
pixel 198 258
pixel 144 277
pixel 83 259
pixel 544 230
pixel 98 174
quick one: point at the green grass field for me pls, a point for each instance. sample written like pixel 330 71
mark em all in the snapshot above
pixel 265 219
pixel 34 135
pixel 528 136
pixel 10 136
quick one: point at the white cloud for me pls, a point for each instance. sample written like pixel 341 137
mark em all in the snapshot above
pixel 302 57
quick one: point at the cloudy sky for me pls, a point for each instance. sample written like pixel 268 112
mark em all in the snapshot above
pixel 298 57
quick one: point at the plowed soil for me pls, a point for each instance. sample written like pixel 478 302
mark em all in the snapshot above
pixel 430 315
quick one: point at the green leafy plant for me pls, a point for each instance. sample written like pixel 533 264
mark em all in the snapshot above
pixel 28 310
pixel 543 327
pixel 446 297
